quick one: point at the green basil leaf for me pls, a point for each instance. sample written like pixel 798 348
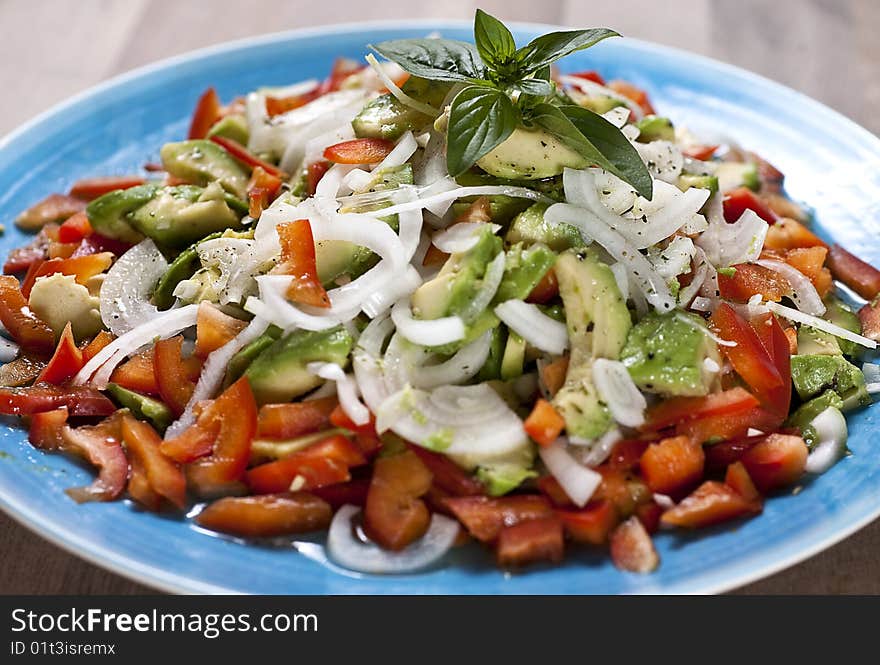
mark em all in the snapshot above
pixel 549 48
pixel 435 59
pixel 597 140
pixel 494 42
pixel 480 119
pixel 535 87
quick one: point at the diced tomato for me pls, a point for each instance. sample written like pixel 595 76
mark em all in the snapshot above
pixel 711 503
pixel 751 359
pixel 591 524
pixel 632 549
pixel 626 453
pixel 700 152
pixel 143 444
pixel 193 443
pixel 326 462
pixel 530 541
pixel 62 250
pixel 314 172
pixel 750 279
pixel 811 262
pixel 66 361
pixel 206 113
pixel 869 318
pixel 101 445
pixel 553 374
pixel 590 75
pixel 787 233
pixel 96 243
pixel 625 490
pixel 91 188
pixel 738 478
pixel 298 259
pixel 720 456
pixel 137 374
pixel 280 105
pixel 45 430
pixel 266 516
pixel 544 423
pixel 54 208
pixel 478 211
pixel 777 461
pixel 545 290
pixel 82 268
pixel 262 189
pixel 24 326
pixel 861 277
pixel 737 201
pixel 673 465
pixel 434 257
pixel 241 153
pixel 395 515
pixel 22 258
pixel 342 69
pixel 75 228
pixel 139 488
pixel 447 475
pixel 791 336
pixel 777 345
pixel 649 514
pixel 359 151
pixel 287 421
pixel 236 412
pixel 551 488
pixel 633 93
pixel 214 329
pixel 727 426
pixel 174 385
pixel 484 517
pixel 673 411
pixel 353 492
pixel 79 400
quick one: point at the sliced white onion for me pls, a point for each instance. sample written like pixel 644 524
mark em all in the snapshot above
pixel 358 180
pixel 331 186
pixel 352 553
pixel 406 147
pixel 530 323
pixel 689 293
pixel 621 276
pixel 395 90
pixel 728 244
pixel 701 304
pixel 593 452
pixel 367 361
pixel 427 332
pixel 403 287
pixel 617 389
pixel 819 324
pixel 315 147
pixel 460 237
pixel 458 193
pixel 804 293
pixel 213 372
pixel 674 259
pixel 410 230
pixel 487 289
pixel 165 325
pixel 346 388
pixel 431 168
pixel 618 116
pixel 831 435
pixel 125 292
pixel 578 482
pixel 664 160
pixel 459 368
pixel 871 372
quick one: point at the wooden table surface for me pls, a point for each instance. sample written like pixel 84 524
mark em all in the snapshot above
pixel 52 49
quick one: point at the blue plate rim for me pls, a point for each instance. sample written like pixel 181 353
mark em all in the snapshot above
pixel 786 554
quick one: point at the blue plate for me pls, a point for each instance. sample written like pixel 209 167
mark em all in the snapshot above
pixel 829 162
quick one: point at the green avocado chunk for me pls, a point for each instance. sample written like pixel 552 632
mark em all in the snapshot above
pixel 499 479
pixel 806 412
pixel 665 354
pixel 597 103
pixel 202 162
pixel 531 154
pixel 655 128
pixel 841 314
pixel 529 227
pixel 386 117
pixel 491 369
pixel 523 270
pixel 243 359
pixel 814 374
pixel 231 127
pixel 687 180
pixel 142 407
pixel 598 322
pixel 107 214
pixel 279 373
pixel 737 174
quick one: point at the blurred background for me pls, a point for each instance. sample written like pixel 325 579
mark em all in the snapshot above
pixel 52 49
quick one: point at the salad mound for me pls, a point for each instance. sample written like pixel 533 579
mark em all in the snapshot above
pixel 453 294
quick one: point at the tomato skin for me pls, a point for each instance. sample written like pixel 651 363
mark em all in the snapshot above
pixel 484 517
pixel 701 152
pixel 172 379
pixel 206 113
pixel 553 374
pixel 298 259
pixel 721 455
pixel 861 277
pixel 738 479
pixel 101 445
pixel 143 444
pixel 681 409
pixel 79 400
pixel 314 172
pixel 137 374
pixel 530 541
pixel 262 189
pixel 592 524
pixel 673 465
pixel 241 153
pixel 633 93
pixel 728 426
pixel 711 503
pixel 326 462
pixel 751 279
pixel 88 189
pixel 447 475
pixel 359 151
pixel 649 514
pixel 65 362
pixel 193 443
pixel 545 290
pixel 54 208
pixel 434 257
pixel 776 461
pixel 788 233
pixel 95 243
pixel 287 421
pixel 632 549
pixel 25 327
pixel 75 228
pixel 214 329
pixel 45 429
pixel 737 201
pixel 266 516
pixel 280 105
pixel 395 515
pixel 626 453
pixel 544 423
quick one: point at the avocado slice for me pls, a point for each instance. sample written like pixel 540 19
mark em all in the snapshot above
pixel 523 270
pixel 814 374
pixel 841 314
pixel 655 128
pixel 202 162
pixel 665 354
pixel 279 374
pixel 243 359
pixel 737 174
pixel 231 127
pixel 529 227
pixel 108 213
pixel 813 342
pixel 597 103
pixel 142 407
pixel 500 479
pixel 688 180
pixel 598 322
pixel 491 369
pixel 387 118
pixel 514 357
pixel 531 154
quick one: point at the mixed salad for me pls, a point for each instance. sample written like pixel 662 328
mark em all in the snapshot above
pixel 452 295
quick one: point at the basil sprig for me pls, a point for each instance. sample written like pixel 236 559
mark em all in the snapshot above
pixel 503 87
